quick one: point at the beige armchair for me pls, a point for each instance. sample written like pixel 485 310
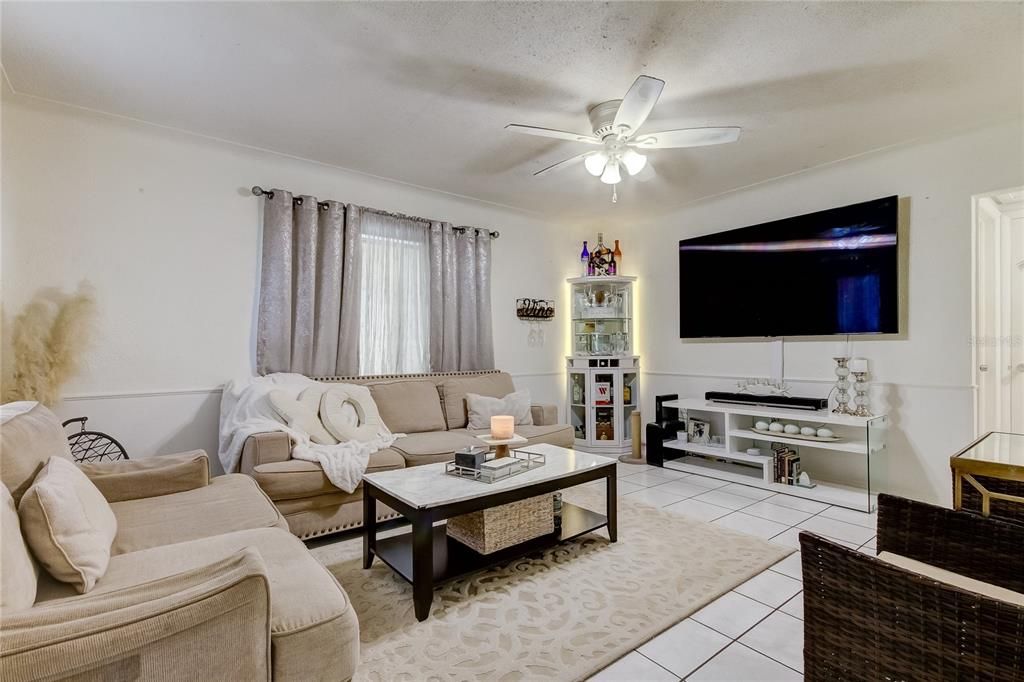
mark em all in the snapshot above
pixel 204 581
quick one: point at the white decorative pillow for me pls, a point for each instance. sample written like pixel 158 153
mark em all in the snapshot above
pixel 68 524
pixel 481 408
pixel 340 402
pixel 302 414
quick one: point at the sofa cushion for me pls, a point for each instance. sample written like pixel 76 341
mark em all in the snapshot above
pixel 554 434
pixel 297 478
pixel 454 390
pixel 311 617
pixel 409 406
pixel 427 448
pixel 481 408
pixel 29 436
pixel 68 524
pixel 232 502
pixel 19 573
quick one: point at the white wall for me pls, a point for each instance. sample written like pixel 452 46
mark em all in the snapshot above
pixel 163 225
pixel 922 377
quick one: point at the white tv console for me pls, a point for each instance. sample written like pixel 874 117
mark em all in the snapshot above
pixel 860 438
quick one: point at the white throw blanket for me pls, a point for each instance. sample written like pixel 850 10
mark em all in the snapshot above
pixel 245 411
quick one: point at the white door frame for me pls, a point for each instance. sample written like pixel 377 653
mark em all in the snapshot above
pixel 993 359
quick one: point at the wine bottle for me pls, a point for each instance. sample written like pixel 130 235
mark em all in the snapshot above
pixel 612 266
pixel 585 259
pixel 618 257
pixel 601 256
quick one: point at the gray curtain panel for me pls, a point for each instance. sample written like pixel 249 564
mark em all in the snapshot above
pixel 460 299
pixel 311 280
pixel 309 287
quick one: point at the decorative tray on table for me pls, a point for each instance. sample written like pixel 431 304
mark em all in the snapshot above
pixel 520 461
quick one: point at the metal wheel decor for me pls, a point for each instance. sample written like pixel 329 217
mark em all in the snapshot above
pixel 93 446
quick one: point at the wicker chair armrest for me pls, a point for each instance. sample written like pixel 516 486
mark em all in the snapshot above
pixel 982 548
pixel 865 619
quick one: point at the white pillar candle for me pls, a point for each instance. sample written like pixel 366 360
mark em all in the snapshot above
pixel 841 349
pixel 858 365
pixel 502 427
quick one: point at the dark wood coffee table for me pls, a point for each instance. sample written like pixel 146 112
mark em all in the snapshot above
pixel 425 494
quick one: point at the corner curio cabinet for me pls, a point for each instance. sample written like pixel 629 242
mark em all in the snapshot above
pixel 603 374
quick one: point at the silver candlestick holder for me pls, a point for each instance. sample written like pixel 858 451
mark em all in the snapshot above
pixel 860 388
pixel 842 387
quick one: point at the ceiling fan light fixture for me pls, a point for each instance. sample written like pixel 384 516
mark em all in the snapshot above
pixel 633 161
pixel 596 163
pixel 611 175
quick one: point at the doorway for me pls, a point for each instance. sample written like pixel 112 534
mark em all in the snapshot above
pixel 998 339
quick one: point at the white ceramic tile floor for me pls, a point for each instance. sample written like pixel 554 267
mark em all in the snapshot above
pixel 623 487
pixel 727 500
pixel 732 614
pixel 659 498
pixel 702 511
pixel 777 513
pixel 634 667
pixel 841 530
pixel 684 647
pixel 857 518
pixel 740 663
pixel 754 632
pixel 779 636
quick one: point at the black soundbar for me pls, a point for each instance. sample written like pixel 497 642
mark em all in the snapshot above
pixel 792 402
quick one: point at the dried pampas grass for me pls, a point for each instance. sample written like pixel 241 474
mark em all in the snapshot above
pixel 48 340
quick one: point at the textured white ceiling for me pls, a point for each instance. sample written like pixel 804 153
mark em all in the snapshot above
pixel 420 92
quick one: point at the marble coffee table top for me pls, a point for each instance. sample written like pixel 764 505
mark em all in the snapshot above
pixel 429 486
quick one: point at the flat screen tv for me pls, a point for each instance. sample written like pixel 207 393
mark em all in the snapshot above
pixel 824 273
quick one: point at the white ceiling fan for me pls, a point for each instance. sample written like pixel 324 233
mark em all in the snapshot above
pixel 616 125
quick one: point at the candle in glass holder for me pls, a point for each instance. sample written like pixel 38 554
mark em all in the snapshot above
pixel 502 427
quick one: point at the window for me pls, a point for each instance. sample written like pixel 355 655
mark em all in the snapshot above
pixel 394 329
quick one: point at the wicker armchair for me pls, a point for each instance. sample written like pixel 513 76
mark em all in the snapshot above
pixel 866 619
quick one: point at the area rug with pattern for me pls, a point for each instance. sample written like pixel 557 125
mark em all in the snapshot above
pixel 559 615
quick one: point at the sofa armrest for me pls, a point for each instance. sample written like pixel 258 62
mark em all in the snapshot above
pixel 133 479
pixel 264 448
pixel 544 415
pixel 208 623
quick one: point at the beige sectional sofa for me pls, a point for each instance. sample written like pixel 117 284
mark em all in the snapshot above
pixel 429 408
pixel 204 582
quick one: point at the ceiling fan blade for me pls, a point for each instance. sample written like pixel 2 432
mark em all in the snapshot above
pixel 548 132
pixel 565 163
pixel 636 106
pixel 686 137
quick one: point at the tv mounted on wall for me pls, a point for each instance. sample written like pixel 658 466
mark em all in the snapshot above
pixel 830 272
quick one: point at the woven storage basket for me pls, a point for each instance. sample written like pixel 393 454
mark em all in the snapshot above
pixel 490 530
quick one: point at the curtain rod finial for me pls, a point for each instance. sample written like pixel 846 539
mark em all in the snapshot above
pixel 259 191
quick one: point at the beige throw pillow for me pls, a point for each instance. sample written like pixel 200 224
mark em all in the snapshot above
pixel 19 574
pixel 481 408
pixel 68 524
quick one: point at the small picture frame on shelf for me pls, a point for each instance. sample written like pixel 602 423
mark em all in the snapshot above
pixel 698 431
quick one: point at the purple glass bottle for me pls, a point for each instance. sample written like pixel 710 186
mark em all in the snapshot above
pixel 585 259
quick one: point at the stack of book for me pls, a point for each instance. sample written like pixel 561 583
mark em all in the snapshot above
pixel 786 463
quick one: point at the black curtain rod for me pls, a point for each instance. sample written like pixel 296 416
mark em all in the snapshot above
pixel 322 205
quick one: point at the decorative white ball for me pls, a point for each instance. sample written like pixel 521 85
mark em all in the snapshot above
pixel 807 431
pixel 776 427
pixel 792 428
pixel 761 426
pixel 824 433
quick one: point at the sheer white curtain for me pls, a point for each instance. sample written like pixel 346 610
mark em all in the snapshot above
pixel 394 328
